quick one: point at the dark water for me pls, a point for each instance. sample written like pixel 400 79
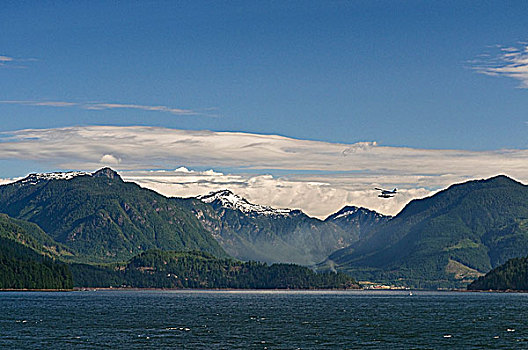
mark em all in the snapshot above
pixel 260 320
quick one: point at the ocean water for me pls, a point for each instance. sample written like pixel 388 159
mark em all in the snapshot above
pixel 262 320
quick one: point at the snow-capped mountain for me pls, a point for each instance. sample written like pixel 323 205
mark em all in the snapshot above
pixel 35 178
pixel 352 211
pixel 229 200
pixel 357 219
pixel 256 232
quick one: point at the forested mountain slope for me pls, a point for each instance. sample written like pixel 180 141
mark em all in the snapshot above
pixel 23 264
pixel 447 239
pixel 170 269
pixel 512 275
pixel 99 217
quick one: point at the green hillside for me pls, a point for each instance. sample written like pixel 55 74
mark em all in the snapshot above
pixel 169 269
pixel 100 218
pixel 22 264
pixel 445 240
pixel 32 236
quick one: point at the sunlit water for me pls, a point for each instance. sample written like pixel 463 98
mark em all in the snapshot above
pixel 260 320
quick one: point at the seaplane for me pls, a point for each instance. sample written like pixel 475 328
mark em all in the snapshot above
pixel 386 193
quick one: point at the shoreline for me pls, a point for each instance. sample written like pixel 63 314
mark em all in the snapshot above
pixel 365 290
pixel 315 290
pixel 36 290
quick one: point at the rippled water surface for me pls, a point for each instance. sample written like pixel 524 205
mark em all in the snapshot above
pixel 260 320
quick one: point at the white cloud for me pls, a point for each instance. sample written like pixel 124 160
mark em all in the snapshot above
pixel 183 170
pixel 318 177
pixel 511 62
pixel 109 160
pixel 105 106
pixel 155 147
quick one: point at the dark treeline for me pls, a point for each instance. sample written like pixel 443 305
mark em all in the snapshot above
pixel 513 275
pixel 23 268
pixel 168 269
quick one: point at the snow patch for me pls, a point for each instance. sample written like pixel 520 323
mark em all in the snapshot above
pixel 351 210
pixel 33 179
pixel 347 213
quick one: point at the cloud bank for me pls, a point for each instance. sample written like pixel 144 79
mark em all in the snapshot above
pixel 317 177
pixel 317 197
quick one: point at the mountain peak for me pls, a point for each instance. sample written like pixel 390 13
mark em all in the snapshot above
pixel 501 179
pixel 224 195
pixel 36 178
pixel 350 210
pixel 455 192
pixel 498 180
pixel 107 172
pixel 230 200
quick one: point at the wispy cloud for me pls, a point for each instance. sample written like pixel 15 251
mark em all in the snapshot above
pixel 40 103
pixel 99 106
pixel 14 62
pixel 317 177
pixel 105 106
pixel 510 62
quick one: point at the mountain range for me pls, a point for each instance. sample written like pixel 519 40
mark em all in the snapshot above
pixel 446 240
pixel 97 217
pixel 254 232
pixel 94 229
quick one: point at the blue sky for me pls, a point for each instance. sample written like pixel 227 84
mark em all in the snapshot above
pixel 405 74
pixel 390 71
